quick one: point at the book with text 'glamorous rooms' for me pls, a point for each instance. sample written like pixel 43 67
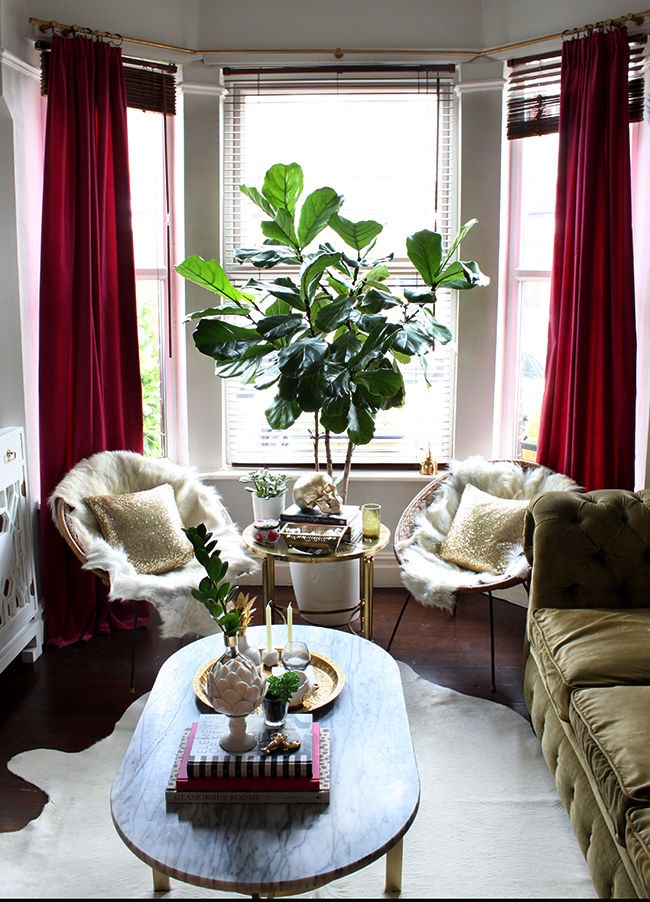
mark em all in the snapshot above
pixel 251 790
pixel 206 757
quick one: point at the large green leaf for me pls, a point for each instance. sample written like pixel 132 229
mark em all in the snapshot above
pixel 302 357
pixel 334 380
pixel 424 250
pixel 345 346
pixel 374 301
pixel 272 327
pixel 283 185
pixel 412 340
pixel 258 199
pixel 312 271
pixel 281 229
pixel 435 329
pixel 224 341
pixel 473 277
pixel 457 240
pixel 288 388
pixel 378 341
pixel 382 382
pixel 245 365
pixel 282 414
pixel 310 397
pixel 209 274
pixel 334 415
pixel 234 308
pixel 316 211
pixel 355 234
pixel 267 376
pixel 420 296
pixel 331 316
pixel 286 289
pixel 377 273
pixel 361 426
pixel 267 257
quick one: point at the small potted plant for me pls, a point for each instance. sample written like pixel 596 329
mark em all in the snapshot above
pixel 268 491
pixel 279 690
pixel 235 683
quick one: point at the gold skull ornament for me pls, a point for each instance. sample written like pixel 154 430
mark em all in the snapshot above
pixel 317 490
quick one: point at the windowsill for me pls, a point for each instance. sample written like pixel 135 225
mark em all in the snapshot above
pixel 234 474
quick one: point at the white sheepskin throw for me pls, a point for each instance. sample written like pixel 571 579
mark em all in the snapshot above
pixel 122 472
pixel 433 581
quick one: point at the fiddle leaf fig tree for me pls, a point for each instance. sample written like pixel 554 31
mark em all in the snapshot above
pixel 332 338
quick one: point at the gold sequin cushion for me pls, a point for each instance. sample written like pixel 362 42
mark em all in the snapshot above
pixel 147 525
pixel 484 532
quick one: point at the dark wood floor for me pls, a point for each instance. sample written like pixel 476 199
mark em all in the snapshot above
pixel 71 698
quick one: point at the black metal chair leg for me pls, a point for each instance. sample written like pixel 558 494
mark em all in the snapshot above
pixel 390 641
pixel 135 631
pixel 493 686
pixel 99 596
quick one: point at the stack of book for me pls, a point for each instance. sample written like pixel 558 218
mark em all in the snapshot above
pixel 204 772
pixel 350 517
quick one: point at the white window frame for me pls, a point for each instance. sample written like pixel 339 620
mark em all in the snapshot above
pixel 399 269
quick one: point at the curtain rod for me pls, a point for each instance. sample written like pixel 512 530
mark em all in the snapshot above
pixel 66 30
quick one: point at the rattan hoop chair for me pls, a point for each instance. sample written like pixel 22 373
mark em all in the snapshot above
pixel 122 472
pixel 405 529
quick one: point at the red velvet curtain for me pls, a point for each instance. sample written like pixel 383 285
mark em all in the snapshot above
pixel 588 414
pixel 89 371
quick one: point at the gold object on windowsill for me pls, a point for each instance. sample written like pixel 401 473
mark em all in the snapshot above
pixel 428 467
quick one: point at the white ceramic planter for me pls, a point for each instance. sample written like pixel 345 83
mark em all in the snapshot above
pixel 321 587
pixel 268 508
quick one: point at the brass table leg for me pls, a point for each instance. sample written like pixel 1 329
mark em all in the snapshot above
pixel 160 882
pixel 394 868
pixel 367 579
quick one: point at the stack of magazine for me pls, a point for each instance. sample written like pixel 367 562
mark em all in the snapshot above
pixel 204 772
pixel 350 518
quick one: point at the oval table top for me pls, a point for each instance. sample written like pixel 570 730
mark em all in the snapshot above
pixel 274 848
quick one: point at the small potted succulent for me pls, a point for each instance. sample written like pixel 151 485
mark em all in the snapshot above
pixel 279 690
pixel 268 491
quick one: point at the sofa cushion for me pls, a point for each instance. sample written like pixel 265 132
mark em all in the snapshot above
pixel 637 840
pixel 612 727
pixel 583 647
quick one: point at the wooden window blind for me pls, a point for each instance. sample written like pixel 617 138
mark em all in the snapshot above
pixel 149 85
pixel 533 91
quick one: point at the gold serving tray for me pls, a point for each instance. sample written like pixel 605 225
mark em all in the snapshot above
pixel 328 675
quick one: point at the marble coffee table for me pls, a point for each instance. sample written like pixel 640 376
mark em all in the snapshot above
pixel 276 849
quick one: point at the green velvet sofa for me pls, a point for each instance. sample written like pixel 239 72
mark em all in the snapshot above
pixel 586 672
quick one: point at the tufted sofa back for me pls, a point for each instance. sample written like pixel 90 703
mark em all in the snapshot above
pixel 589 550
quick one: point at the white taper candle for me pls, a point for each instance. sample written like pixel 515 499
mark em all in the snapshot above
pixel 269 637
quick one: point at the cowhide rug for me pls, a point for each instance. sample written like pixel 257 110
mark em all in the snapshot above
pixel 490 823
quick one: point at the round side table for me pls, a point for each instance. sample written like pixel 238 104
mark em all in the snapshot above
pixel 364 550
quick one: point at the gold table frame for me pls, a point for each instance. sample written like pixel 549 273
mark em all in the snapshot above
pixel 365 550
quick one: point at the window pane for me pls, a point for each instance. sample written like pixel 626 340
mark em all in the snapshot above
pixel 147 170
pixel 538 179
pixel 534 299
pixel 147 293
pixel 380 146
pixel 538 176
